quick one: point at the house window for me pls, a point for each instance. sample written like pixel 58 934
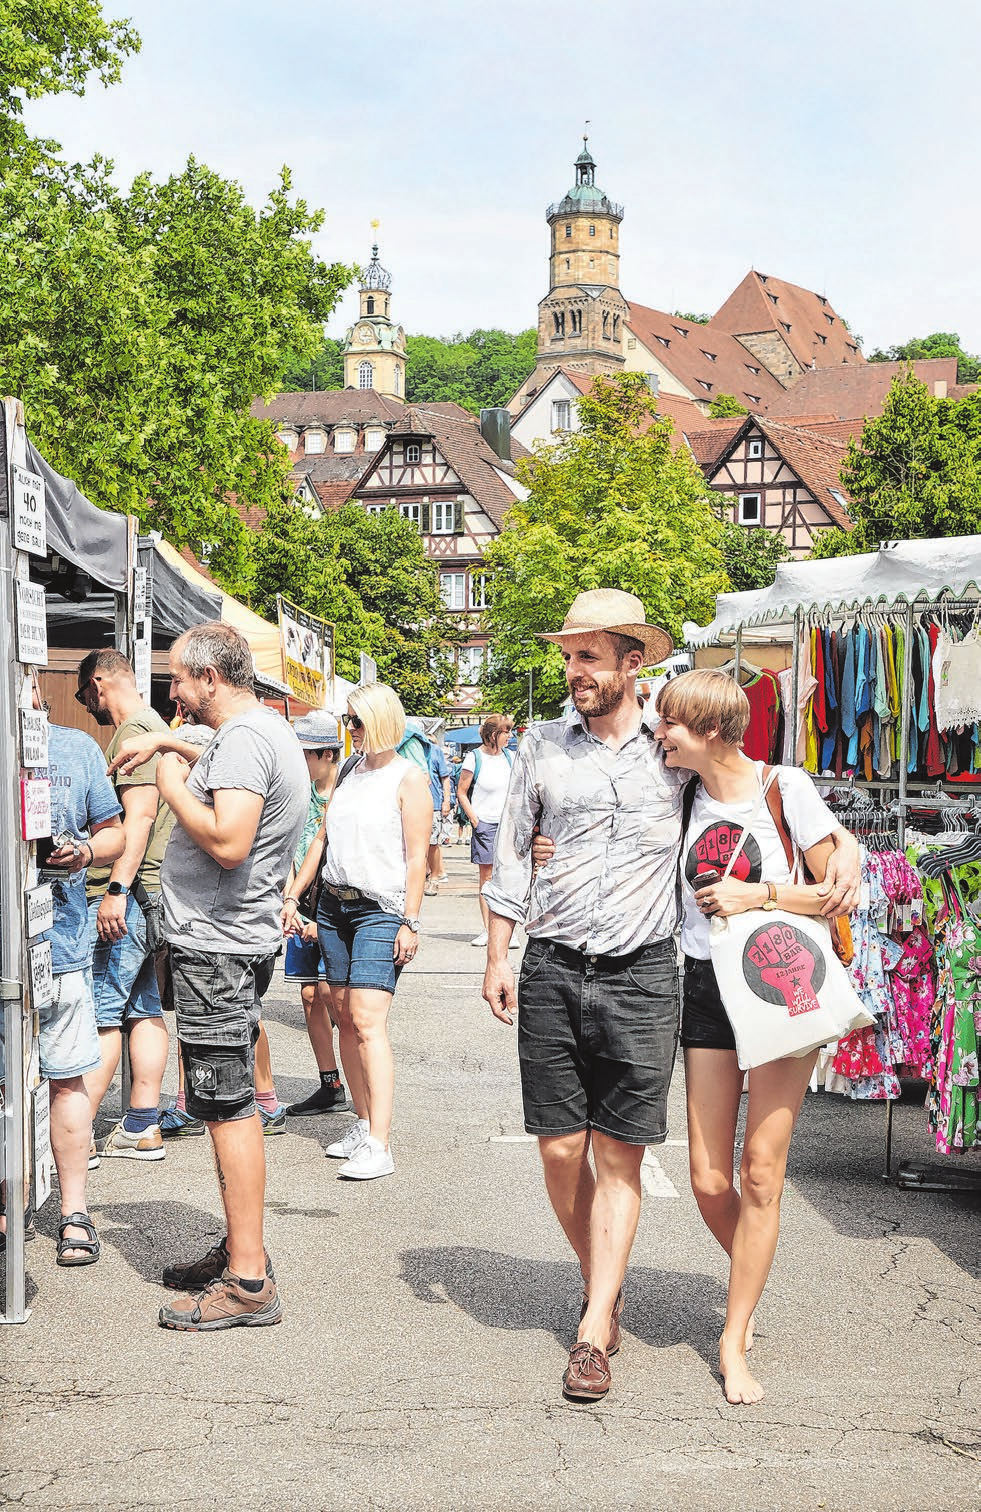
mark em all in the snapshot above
pixel 366 375
pixel 755 449
pixel 470 663
pixel 611 233
pixel 343 441
pixel 592 230
pixel 413 452
pixel 755 398
pixel 681 331
pixel 829 318
pixel 576 322
pixel 288 438
pixel 762 278
pixel 710 355
pixel 478 590
pixel 443 516
pixel 453 589
pixel 631 343
pixel 749 509
pixel 568 230
pixel 822 339
pixel 561 414
pixel 374 509
pixel 410 512
pixel 753 369
pixel 314 441
pixel 592 263
pixel 663 340
pixel 702 383
pixel 558 316
pixel 374 439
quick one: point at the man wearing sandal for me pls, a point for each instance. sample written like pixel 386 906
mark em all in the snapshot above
pixel 85 815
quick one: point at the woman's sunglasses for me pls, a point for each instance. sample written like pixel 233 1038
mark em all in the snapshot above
pixel 352 722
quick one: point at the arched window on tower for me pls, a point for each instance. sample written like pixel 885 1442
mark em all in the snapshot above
pixel 616 328
pixel 606 325
pixel 366 375
pixel 558 317
pixel 576 322
pixel 369 305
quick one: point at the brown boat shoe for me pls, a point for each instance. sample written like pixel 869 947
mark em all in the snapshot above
pixel 587 1376
pixel 225 1303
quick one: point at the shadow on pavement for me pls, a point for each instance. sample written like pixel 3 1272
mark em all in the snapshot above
pixel 153 1234
pixel 663 1308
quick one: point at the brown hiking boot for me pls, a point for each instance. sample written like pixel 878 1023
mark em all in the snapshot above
pixel 198 1274
pixel 225 1303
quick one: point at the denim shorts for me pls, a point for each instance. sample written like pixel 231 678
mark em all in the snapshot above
pixel 597 1038
pixel 303 962
pixel 482 838
pixel 217 1000
pixel 704 1024
pixel 124 981
pixel 68 1041
pixel 357 942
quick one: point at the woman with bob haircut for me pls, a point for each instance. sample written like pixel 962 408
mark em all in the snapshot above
pixel 481 790
pixel 703 718
pixel 377 829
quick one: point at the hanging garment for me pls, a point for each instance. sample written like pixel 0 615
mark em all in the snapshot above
pixel 832 682
pixel 934 755
pixel 764 712
pixel 914 991
pixel 957 679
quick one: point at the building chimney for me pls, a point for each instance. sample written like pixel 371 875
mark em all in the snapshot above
pixel 495 427
pixel 653 383
pixel 940 388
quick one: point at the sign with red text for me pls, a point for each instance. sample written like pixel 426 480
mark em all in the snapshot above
pixel 35 808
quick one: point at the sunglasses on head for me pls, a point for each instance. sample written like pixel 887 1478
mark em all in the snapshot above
pixel 352 722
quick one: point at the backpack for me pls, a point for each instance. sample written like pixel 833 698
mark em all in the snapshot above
pixel 460 816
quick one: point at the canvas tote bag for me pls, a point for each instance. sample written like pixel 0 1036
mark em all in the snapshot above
pixel 783 988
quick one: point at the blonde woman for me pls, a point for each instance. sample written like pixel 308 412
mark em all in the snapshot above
pixel 374 871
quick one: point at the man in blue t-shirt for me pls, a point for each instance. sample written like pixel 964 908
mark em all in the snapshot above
pixel 85 808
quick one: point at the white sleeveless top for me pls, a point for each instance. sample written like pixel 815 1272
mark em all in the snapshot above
pixel 365 843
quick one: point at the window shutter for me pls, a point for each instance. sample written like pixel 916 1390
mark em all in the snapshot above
pixel 425 518
pixel 459 514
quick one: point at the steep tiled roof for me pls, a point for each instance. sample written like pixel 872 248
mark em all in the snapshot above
pixel 805 320
pixel 854 390
pixel 815 454
pixel 684 415
pixel 331 407
pixel 710 444
pixel 706 361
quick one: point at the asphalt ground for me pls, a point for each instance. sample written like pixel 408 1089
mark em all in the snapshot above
pixel 427 1316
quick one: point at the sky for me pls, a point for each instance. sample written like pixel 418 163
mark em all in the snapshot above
pixel 833 146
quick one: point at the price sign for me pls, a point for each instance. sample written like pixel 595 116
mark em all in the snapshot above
pixel 141 607
pixel 33 738
pixel 41 1164
pixel 141 666
pixel 38 910
pixel 35 807
pixel 27 513
pixel 40 974
pixel 32 629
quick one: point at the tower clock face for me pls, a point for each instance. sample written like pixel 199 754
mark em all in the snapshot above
pixel 365 335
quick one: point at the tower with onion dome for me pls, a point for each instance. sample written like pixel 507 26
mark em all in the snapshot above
pixel 374 347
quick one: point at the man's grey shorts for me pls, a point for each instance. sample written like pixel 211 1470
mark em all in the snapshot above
pixel 597 1039
pixel 217 1000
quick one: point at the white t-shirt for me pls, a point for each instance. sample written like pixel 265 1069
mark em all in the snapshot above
pixel 488 793
pixel 714 831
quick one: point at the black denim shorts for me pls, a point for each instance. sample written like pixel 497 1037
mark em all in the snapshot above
pixel 704 1023
pixel 597 1038
pixel 217 1000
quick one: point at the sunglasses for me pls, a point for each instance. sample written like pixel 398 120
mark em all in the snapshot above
pixel 82 693
pixel 352 722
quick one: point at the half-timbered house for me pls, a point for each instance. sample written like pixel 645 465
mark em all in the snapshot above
pixel 782 476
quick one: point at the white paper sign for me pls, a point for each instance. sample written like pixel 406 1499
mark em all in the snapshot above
pixel 33 738
pixel 35 807
pixel 141 664
pixel 40 973
pixel 140 606
pixel 41 1164
pixel 27 513
pixel 32 629
pixel 38 910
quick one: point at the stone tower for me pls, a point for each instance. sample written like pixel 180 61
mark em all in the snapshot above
pixel 374 347
pixel 581 319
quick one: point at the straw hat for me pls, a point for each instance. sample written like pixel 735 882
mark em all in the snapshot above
pixel 619 613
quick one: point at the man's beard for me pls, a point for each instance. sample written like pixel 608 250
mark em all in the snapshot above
pixel 602 699
pixel 102 717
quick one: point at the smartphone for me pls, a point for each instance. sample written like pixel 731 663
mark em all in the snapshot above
pixel 705 879
pixel 49 843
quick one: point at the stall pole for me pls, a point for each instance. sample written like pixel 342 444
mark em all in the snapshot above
pixel 12 449
pixel 738 654
pixel 902 795
pixel 795 686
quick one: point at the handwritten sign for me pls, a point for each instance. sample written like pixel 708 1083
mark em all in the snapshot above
pixel 32 629
pixel 33 738
pixel 35 807
pixel 38 910
pixel 41 1164
pixel 27 512
pixel 40 974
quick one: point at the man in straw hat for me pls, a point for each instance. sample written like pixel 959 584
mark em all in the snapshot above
pixel 598 989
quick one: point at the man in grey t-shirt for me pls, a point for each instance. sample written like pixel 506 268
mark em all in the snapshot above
pixel 239 812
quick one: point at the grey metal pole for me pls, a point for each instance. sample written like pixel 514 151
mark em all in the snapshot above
pixel 795 686
pixel 12 448
pixel 904 725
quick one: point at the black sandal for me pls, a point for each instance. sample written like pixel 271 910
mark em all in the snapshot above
pixel 30 1232
pixel 90 1246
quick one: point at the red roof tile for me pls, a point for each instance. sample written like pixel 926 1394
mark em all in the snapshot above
pixel 805 320
pixel 706 361
pixel 852 391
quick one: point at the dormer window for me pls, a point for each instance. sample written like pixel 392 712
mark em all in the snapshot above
pixel 763 278
pixel 710 355
pixel 344 440
pixel 663 340
pixel 753 369
pixel 830 319
pixel 773 298
pixel 374 438
pixel 314 440
pixel 708 387
pixel 822 339
pixel 288 437
pixel 681 331
pixel 785 326
pixel 753 398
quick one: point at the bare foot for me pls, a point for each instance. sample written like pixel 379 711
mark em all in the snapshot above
pixel 750 1332
pixel 740 1386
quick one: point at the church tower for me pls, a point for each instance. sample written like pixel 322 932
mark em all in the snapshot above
pixel 581 319
pixel 374 347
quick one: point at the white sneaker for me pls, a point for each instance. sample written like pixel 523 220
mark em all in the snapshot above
pixel 480 939
pixel 121 1144
pixel 343 1149
pixel 369 1160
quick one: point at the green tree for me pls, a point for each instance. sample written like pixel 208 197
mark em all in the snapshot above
pixel 321 372
pixel 751 557
pixel 695 319
pixel 725 405
pixel 370 575
pixel 53 48
pixel 940 344
pixel 914 474
pixel 610 506
pixel 479 371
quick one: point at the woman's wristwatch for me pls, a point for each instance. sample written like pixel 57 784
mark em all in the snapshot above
pixel 412 924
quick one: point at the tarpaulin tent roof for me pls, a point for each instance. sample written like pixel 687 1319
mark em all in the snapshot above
pixel 263 638
pixel 900 572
